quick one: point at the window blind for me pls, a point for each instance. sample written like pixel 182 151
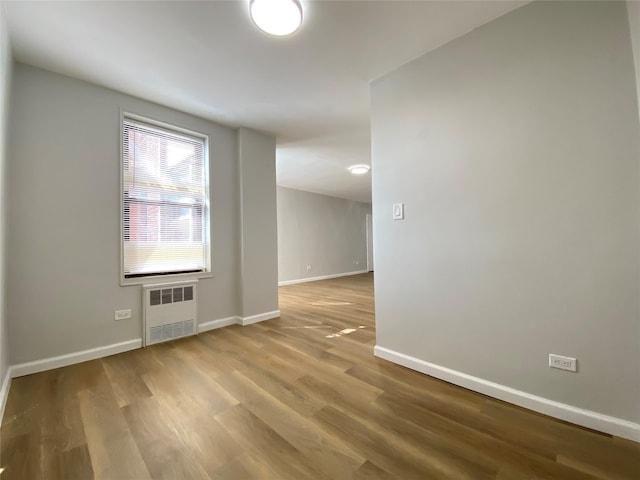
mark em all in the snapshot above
pixel 165 201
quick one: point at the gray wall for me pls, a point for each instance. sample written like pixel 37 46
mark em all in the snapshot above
pixel 259 256
pixel 5 80
pixel 325 232
pixel 516 151
pixel 64 220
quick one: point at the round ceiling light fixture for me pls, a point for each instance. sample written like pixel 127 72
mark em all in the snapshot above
pixel 359 169
pixel 276 17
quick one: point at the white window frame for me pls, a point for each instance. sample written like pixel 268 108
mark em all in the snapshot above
pixel 171 277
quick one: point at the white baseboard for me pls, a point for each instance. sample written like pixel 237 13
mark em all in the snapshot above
pixel 225 322
pixel 261 317
pixel 323 277
pixel 71 358
pixel 222 322
pixel 586 418
pixel 4 392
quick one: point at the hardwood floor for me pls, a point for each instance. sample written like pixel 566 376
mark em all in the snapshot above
pixel 300 397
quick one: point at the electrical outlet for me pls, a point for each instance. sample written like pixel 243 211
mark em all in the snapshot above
pixel 563 363
pixel 122 314
pixel 357 262
pixel 308 268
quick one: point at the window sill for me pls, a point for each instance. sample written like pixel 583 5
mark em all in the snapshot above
pixel 160 279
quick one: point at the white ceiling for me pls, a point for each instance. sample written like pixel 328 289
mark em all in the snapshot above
pixel 310 90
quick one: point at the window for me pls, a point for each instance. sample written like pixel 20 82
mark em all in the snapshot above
pixel 165 200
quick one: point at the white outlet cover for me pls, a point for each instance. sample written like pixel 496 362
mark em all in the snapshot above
pixel 563 363
pixel 122 314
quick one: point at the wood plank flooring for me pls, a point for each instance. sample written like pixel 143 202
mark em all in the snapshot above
pixel 300 397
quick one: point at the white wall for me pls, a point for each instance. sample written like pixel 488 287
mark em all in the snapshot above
pixel 64 220
pixel 516 151
pixel 325 232
pixel 5 81
pixel 259 251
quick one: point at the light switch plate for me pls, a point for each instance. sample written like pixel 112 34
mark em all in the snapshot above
pixel 398 211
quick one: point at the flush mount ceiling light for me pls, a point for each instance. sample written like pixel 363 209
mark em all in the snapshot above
pixel 276 17
pixel 359 169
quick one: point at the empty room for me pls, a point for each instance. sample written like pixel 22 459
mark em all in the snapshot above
pixel 309 239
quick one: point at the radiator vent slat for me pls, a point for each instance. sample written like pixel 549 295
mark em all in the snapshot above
pixel 169 312
pixel 188 293
pixel 167 332
pixel 177 294
pixel 177 329
pixel 154 297
pixel 156 334
pixel 167 295
pixel 189 327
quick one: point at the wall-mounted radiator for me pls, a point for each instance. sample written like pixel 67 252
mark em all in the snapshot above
pixel 170 311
